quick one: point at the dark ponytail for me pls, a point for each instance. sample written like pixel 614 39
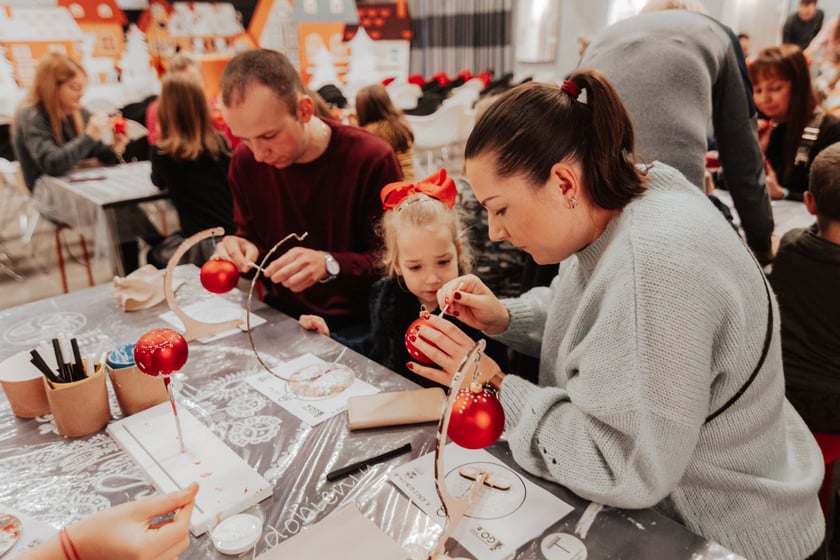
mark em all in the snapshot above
pixel 534 126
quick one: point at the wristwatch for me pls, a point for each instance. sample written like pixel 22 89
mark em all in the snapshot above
pixel 333 268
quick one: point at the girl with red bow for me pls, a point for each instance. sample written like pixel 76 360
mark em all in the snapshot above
pixel 423 248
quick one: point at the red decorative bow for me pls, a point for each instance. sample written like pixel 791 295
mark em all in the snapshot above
pixel 437 185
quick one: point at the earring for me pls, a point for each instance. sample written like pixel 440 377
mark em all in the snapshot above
pixel 572 203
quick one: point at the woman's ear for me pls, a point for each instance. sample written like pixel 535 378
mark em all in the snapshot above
pixel 395 268
pixel 565 180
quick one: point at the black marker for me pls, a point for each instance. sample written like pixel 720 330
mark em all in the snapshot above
pixel 359 465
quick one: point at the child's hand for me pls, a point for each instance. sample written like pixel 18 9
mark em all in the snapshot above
pixel 314 323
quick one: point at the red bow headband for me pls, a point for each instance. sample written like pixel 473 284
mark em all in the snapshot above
pixel 437 185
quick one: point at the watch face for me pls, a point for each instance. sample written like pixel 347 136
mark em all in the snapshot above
pixel 332 265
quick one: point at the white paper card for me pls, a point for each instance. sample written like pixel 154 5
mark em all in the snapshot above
pixel 312 410
pixel 500 520
pixel 213 310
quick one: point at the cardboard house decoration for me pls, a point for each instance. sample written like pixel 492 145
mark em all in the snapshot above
pixel 27 33
pixel 104 20
pixel 272 27
pixel 102 23
pixel 211 32
pixel 324 56
pixel 380 43
pixel 154 23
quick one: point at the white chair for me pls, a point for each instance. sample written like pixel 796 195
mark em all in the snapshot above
pixel 404 96
pixel 433 135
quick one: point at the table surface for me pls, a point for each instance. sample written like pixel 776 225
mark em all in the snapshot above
pixel 787 214
pixel 83 197
pixel 59 480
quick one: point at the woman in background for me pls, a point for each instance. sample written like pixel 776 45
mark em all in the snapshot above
pixel 52 132
pixel 191 161
pixel 377 114
pixel 783 92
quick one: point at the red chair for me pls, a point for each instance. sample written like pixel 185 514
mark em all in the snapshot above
pixel 830 447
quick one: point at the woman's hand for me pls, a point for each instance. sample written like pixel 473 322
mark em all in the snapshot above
pixel 96 125
pixel 446 345
pixel 472 302
pixel 314 323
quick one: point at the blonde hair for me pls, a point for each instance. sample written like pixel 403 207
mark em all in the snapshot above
pixel 184 119
pixel 423 211
pixel 53 70
pixel 182 62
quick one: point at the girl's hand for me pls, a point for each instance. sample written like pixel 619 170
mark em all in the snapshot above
pixel 314 323
pixel 239 251
pixel 472 302
pixel 446 345
pixel 765 127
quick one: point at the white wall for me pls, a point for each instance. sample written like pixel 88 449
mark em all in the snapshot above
pixel 762 19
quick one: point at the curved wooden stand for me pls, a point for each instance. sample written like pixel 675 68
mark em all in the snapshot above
pixel 454 508
pixel 193 329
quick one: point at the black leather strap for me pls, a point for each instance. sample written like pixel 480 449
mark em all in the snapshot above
pixel 767 339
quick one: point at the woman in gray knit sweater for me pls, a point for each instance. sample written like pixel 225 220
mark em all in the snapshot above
pixel 660 365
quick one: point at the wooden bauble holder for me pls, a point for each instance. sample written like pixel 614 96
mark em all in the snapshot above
pixel 193 328
pixel 454 508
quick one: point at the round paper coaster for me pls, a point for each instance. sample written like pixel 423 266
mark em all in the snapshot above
pixel 9 531
pixel 237 533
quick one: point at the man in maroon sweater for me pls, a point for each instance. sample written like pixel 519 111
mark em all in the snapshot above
pixel 295 173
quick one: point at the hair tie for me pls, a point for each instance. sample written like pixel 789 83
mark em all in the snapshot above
pixel 437 186
pixel 571 88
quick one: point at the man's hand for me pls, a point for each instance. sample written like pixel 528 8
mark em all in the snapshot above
pixel 239 251
pixel 298 269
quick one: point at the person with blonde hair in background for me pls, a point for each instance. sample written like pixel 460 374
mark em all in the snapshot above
pixel 376 113
pixel 52 133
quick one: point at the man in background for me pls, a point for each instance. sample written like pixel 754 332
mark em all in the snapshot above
pixel 801 27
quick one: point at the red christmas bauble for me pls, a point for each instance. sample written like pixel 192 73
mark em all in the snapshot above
pixel 416 354
pixel 219 276
pixel 160 352
pixel 477 418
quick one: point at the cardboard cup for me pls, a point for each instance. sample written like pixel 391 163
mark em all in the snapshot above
pixel 135 390
pixel 22 384
pixel 81 407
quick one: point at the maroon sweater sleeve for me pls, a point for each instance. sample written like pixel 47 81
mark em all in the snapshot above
pixel 335 199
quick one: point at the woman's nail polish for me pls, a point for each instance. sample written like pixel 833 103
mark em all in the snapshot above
pixel 409 365
pixel 426 315
pixel 412 338
pixel 457 295
pixel 456 313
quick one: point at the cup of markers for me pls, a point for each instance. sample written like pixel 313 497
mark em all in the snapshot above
pixel 75 387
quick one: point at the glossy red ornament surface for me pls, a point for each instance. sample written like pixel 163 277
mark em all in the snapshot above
pixel 219 276
pixel 477 418
pixel 416 354
pixel 160 352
